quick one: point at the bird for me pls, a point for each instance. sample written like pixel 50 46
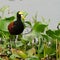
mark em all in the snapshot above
pixel 16 27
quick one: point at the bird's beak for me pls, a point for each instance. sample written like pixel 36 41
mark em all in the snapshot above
pixel 22 15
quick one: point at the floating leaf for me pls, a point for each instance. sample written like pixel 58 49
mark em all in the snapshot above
pixel 33 58
pixel 21 54
pixel 4 23
pixel 57 32
pixel 18 44
pixel 10 18
pixel 29 23
pixel 45 36
pixel 52 34
pixel 31 51
pixel 13 57
pixel 38 27
pixel 51 49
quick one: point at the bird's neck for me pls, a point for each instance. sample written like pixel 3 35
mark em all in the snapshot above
pixel 19 18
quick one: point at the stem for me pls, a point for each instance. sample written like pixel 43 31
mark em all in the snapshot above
pixel 59 50
pixel 44 50
pixel 38 46
pixel 56 51
pixel 25 47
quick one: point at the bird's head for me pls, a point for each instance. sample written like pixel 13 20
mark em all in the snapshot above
pixel 20 14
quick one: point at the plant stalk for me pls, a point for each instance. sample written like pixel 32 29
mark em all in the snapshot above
pixel 56 50
pixel 38 46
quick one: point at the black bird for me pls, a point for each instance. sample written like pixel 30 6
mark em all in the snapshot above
pixel 16 27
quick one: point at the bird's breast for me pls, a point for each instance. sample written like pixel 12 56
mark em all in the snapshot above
pixel 16 28
pixel 10 26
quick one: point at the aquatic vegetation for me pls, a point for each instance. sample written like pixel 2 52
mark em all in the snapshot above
pixel 39 42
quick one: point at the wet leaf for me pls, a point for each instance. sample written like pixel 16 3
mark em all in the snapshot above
pixel 57 32
pixel 38 27
pixel 21 54
pixel 51 34
pixel 33 58
pixel 29 23
pixel 31 52
pixel 4 23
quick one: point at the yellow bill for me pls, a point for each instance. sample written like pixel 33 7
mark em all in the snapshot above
pixel 22 15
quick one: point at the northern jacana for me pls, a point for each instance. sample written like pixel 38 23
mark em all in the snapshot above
pixel 16 27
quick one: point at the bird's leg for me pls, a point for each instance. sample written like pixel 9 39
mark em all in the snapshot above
pixel 16 39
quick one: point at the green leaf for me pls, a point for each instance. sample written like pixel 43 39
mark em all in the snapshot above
pixel 34 58
pixel 1 58
pixel 31 51
pixel 0 33
pixel 51 34
pixel 35 18
pixel 41 49
pixel 18 44
pixel 51 49
pixel 38 27
pixel 13 56
pixel 24 41
pixel 22 54
pixel 28 22
pixel 57 32
pixel 46 37
pixel 4 23
pixel 10 18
